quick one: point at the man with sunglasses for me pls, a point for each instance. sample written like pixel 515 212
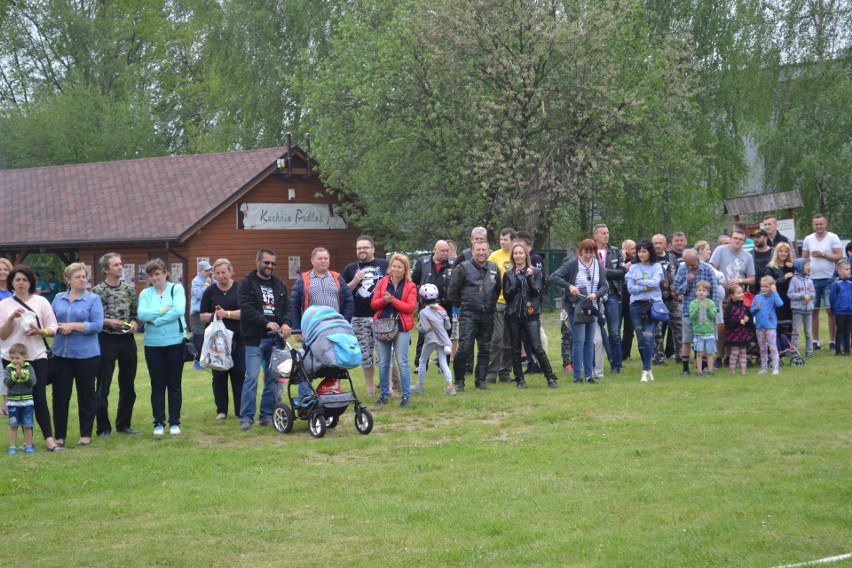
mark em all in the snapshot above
pixel 264 324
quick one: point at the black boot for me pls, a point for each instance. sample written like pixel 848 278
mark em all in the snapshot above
pixel 521 383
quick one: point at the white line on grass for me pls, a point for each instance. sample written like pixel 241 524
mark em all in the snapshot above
pixel 828 560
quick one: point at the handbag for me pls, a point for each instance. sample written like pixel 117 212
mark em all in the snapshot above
pixel 190 353
pixel 386 329
pixel 585 311
pixel 659 311
pixel 51 362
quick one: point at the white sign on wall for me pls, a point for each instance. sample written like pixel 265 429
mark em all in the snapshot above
pixel 288 216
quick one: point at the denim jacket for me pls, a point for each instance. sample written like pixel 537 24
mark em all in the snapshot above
pixel 87 309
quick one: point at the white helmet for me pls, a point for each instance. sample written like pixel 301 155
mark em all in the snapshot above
pixel 285 368
pixel 429 292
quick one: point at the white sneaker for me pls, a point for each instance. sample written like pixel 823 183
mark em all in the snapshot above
pixel 762 372
pixel 174 429
pixel 651 375
pixel 644 377
pixel 774 371
pixel 221 416
pixel 159 430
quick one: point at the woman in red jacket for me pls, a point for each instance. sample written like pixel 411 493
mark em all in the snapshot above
pixel 395 297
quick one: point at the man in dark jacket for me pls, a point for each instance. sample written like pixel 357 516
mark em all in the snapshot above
pixel 436 269
pixel 264 323
pixel 474 287
pixel 612 264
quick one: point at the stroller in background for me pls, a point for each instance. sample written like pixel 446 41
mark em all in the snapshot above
pixel 330 349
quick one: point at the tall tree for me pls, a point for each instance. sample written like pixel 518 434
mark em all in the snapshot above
pixel 432 116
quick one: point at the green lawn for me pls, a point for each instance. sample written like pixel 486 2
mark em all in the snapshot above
pixel 723 471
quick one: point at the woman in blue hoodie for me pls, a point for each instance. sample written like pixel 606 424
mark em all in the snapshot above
pixel 161 307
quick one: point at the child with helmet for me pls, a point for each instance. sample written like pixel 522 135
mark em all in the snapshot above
pixel 435 323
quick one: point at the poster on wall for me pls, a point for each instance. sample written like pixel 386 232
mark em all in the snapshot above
pixel 143 276
pixel 177 272
pixel 294 266
pixel 129 273
pixel 289 216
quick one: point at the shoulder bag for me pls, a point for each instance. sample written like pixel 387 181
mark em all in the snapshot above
pixel 386 329
pixel 190 353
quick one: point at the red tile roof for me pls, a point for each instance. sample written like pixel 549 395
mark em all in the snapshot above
pixel 149 199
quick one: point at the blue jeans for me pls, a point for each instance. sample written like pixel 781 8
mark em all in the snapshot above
pixel 255 357
pixel 400 349
pixel 646 329
pixel 612 308
pixel 583 349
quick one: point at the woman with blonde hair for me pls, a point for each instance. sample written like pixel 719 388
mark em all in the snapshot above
pixel 395 297
pixel 77 350
pixel 780 268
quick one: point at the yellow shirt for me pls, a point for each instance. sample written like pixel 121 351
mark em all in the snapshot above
pixel 503 260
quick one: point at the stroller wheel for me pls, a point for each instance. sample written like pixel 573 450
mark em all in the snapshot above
pixel 797 361
pixel 363 421
pixel 316 425
pixel 282 418
pixel 331 421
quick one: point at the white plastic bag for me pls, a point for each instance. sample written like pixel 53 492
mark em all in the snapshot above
pixel 216 349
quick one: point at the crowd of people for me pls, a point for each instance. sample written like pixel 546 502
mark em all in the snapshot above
pixel 699 304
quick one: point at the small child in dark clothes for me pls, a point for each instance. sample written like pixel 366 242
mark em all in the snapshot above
pixel 738 331
pixel 19 377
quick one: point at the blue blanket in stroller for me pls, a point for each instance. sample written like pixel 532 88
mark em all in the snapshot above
pixel 329 339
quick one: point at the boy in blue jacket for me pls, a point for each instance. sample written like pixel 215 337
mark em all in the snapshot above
pixel 840 300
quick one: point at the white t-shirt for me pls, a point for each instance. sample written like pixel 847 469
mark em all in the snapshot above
pixel 821 267
pixel 34 344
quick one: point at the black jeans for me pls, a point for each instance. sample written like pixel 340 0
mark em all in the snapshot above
pixel 236 374
pixel 83 372
pixel 121 349
pixel 517 329
pixel 42 412
pixel 165 365
pixel 473 326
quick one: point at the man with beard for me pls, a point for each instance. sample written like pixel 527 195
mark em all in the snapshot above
pixel 762 254
pixel 474 287
pixel 361 277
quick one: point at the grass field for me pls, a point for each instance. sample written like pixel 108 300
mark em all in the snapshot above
pixel 722 471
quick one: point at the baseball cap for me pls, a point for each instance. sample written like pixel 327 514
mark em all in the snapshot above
pixel 759 233
pixel 204 265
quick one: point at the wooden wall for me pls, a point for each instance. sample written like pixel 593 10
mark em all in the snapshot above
pixel 220 237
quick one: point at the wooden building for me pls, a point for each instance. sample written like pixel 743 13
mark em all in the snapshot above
pixel 178 208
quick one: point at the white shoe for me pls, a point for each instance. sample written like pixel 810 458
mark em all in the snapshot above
pixel 159 430
pixel 774 371
pixel 174 429
pixel 644 377
pixel 221 416
pixel 762 372
pixel 651 375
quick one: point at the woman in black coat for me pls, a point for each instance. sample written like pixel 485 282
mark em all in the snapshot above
pixel 522 287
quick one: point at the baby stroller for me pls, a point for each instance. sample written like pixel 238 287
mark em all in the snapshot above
pixel 785 344
pixel 330 349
